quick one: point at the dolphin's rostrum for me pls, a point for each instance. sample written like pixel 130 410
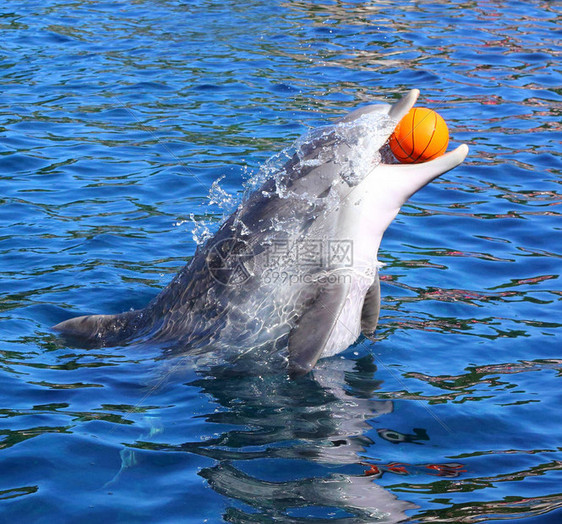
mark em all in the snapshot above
pixel 293 271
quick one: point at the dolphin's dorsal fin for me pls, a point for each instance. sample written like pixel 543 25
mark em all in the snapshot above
pixel 371 308
pixel 99 330
pixel 309 338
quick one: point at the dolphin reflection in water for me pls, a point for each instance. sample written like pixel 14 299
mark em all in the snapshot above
pixel 292 275
pixel 282 450
pixel 316 432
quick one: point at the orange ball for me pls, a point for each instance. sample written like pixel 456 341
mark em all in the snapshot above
pixel 420 136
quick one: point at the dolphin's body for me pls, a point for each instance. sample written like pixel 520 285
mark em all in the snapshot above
pixel 294 270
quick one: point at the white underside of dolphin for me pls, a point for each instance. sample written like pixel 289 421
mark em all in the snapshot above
pixel 294 270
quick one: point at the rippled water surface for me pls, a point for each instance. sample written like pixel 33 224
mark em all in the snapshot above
pixel 115 120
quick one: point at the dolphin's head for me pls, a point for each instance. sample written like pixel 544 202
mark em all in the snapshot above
pixel 343 178
pixel 401 181
pixel 387 185
pixel 354 152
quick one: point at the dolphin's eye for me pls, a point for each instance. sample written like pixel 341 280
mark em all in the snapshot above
pixel 325 193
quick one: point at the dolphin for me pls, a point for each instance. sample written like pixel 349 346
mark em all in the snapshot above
pixel 293 272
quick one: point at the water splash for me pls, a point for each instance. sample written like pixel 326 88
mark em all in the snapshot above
pixel 201 231
pixel 351 148
pixel 218 196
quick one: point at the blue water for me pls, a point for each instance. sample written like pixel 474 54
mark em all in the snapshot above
pixel 115 120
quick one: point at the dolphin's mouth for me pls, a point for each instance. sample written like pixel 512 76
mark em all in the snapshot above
pixel 399 110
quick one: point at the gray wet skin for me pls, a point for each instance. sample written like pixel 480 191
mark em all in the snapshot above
pixel 294 270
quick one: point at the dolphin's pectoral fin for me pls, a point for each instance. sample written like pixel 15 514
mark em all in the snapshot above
pixel 99 329
pixel 308 339
pixel 371 308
